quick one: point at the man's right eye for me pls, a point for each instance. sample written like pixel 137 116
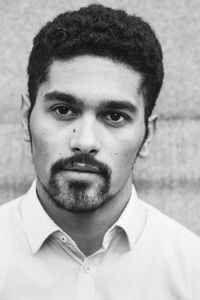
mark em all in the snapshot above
pixel 63 111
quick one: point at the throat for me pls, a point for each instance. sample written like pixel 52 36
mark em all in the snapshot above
pixel 89 245
pixel 86 231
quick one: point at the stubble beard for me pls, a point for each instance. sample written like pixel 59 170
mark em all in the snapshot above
pixel 78 196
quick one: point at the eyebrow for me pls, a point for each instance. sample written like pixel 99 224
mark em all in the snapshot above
pixel 103 105
pixel 65 97
pixel 118 104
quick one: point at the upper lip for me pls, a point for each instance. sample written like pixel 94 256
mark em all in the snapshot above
pixel 81 167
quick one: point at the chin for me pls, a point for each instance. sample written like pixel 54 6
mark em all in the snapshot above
pixel 78 196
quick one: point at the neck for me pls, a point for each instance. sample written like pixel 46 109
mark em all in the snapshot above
pixel 87 229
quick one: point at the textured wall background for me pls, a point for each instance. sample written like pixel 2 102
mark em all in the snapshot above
pixel 170 177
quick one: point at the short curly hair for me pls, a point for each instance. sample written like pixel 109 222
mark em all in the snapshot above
pixel 102 31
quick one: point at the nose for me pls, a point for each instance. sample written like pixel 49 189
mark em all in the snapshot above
pixel 85 138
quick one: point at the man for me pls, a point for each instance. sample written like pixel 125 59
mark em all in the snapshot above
pixel 81 232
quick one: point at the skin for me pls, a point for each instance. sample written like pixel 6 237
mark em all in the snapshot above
pixel 113 136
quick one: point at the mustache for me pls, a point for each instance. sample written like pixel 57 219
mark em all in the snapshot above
pixel 67 163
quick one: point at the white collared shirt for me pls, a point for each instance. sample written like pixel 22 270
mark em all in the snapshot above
pixel 144 256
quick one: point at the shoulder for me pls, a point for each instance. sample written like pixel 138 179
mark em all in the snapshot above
pixel 10 217
pixel 8 208
pixel 171 250
pixel 166 227
pixel 173 241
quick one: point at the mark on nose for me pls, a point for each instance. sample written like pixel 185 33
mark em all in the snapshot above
pixel 74 130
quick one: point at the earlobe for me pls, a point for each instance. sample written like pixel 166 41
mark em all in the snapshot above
pixel 25 107
pixel 145 149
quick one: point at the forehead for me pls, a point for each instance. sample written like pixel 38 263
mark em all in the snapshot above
pixel 93 77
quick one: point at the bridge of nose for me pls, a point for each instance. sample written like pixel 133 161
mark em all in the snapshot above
pixel 86 134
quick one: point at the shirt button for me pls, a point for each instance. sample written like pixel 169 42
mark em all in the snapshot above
pixel 63 239
pixel 87 268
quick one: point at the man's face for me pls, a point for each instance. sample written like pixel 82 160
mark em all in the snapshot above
pixel 87 127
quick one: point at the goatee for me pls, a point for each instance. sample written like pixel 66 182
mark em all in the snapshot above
pixel 79 196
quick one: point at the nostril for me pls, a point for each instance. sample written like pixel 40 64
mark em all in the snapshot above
pixel 84 139
pixel 93 151
pixel 77 150
pixel 84 151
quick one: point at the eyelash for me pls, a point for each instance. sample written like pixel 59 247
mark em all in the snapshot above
pixel 104 116
pixel 54 109
pixel 125 117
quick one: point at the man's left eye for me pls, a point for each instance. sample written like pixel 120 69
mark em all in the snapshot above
pixel 114 117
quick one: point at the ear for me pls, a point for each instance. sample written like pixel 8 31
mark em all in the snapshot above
pixel 145 149
pixel 25 106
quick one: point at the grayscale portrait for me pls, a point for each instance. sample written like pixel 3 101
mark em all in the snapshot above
pixel 99 145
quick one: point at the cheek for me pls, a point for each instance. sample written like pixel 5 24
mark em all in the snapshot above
pixel 42 146
pixel 45 139
pixel 124 152
pixel 124 159
pixel 44 149
pixel 41 155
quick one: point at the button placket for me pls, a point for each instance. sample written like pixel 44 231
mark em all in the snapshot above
pixel 86 280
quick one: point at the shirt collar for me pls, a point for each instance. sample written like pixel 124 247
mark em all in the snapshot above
pixel 38 225
pixel 133 219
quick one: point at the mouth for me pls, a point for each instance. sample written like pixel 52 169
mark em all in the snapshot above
pixel 83 168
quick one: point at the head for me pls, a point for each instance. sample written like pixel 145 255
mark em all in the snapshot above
pixel 105 68
pixel 101 31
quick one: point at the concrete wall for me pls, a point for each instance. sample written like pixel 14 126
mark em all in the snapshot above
pixel 170 178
